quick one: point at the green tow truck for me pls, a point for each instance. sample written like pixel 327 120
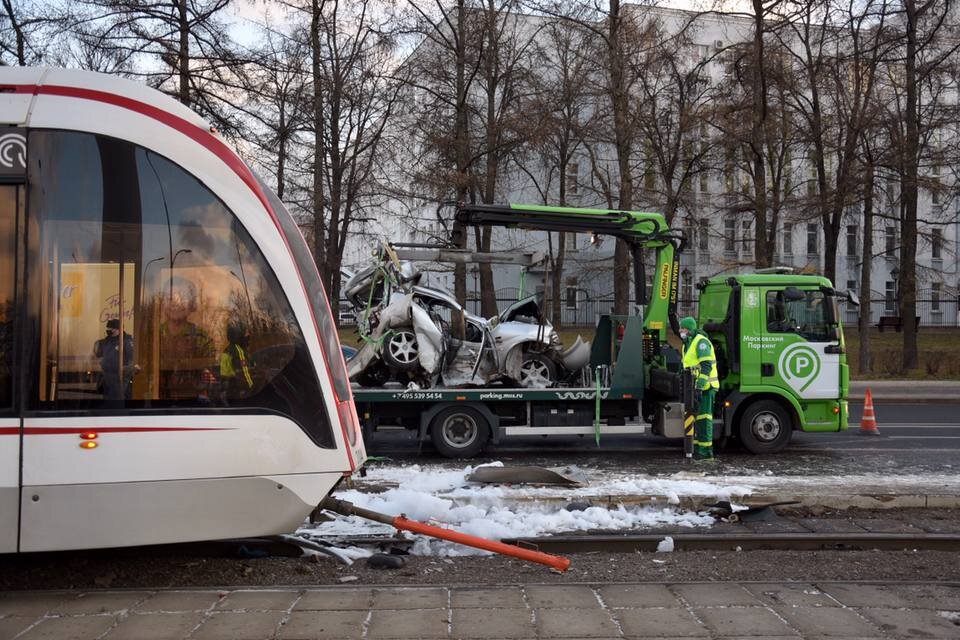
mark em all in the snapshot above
pixel 777 336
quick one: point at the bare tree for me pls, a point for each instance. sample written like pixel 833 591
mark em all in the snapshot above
pixel 561 105
pixel 28 31
pixel 188 38
pixel 672 106
pixel 353 100
pixel 927 48
pixel 440 75
pixel 275 108
pixel 837 51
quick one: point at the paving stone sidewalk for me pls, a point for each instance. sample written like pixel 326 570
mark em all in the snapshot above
pixel 682 610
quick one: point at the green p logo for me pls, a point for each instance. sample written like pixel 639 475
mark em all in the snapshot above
pixel 799 365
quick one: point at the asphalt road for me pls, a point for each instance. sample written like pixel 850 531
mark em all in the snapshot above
pixel 914 439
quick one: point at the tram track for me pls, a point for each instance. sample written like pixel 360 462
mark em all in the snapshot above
pixel 573 544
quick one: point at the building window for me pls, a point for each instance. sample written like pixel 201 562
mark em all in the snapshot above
pixel 573 177
pixel 704 181
pixel 569 241
pixel 813 239
pixel 852 237
pixel 688 234
pixel 935 196
pixel 890 241
pixel 889 297
pixel 936 289
pixel 747 237
pixel 788 239
pixel 704 237
pixel 730 236
pixel 936 243
pixel 686 290
pixel 571 297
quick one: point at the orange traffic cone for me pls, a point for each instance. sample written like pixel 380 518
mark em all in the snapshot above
pixel 868 423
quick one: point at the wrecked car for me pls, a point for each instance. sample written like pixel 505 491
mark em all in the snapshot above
pixel 422 335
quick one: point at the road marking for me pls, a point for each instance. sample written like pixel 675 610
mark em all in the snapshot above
pixel 938 425
pixel 924 438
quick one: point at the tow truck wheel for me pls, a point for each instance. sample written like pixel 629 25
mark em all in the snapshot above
pixel 765 427
pixel 459 432
pixel 401 350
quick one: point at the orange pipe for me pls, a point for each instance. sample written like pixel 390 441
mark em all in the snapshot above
pixel 404 524
pixel 554 562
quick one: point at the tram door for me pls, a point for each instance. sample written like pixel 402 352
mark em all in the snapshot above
pixel 11 206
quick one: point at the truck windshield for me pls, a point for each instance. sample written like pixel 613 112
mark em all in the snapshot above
pixel 808 317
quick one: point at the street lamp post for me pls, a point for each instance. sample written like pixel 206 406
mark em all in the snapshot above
pixel 173 262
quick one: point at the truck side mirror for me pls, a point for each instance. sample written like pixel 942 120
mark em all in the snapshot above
pixel 853 298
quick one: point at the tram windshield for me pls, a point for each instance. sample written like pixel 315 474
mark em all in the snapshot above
pixel 153 294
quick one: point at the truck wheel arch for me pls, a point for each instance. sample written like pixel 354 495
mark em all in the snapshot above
pixel 739 402
pixel 779 410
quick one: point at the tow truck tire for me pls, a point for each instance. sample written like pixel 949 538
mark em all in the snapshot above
pixel 459 432
pixel 765 427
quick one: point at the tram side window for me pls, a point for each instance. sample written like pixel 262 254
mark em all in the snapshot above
pixel 159 296
pixel 9 204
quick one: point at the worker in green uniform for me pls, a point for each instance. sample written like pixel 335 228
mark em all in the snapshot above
pixel 698 355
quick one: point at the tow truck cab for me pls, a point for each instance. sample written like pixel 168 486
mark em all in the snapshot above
pixel 780 355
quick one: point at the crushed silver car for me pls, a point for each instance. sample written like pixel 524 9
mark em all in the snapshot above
pixel 419 335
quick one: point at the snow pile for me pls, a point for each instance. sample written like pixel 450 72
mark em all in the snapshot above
pixel 445 498
pixel 665 545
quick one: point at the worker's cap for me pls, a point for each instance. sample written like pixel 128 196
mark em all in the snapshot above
pixel 689 324
pixel 113 323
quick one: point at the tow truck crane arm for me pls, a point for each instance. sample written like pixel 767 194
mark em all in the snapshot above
pixel 640 230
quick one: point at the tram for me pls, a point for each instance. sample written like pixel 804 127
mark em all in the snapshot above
pixel 170 370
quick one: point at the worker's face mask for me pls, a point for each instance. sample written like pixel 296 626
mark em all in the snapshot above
pixel 683 334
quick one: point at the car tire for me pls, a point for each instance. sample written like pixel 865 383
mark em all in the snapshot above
pixel 459 432
pixel 401 351
pixel 537 371
pixel 765 427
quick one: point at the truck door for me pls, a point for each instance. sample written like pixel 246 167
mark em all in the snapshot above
pixel 11 203
pixel 800 346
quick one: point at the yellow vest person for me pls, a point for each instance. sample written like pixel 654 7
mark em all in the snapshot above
pixel 698 355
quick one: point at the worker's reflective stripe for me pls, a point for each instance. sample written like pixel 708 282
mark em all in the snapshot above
pixel 691 360
pixel 705 416
pixel 697 443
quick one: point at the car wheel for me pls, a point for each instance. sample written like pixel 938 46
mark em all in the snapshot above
pixel 537 371
pixel 401 350
pixel 765 427
pixel 459 432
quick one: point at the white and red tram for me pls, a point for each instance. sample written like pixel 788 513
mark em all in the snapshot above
pixel 169 366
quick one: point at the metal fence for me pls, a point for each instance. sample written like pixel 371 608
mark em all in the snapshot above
pixel 944 312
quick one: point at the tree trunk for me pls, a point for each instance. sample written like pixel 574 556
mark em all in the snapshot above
pixel 319 228
pixel 619 100
pixel 863 322
pixel 908 234
pixel 556 283
pixel 757 136
pixel 183 55
pixel 462 151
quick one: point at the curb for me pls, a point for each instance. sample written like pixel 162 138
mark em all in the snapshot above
pixel 828 501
